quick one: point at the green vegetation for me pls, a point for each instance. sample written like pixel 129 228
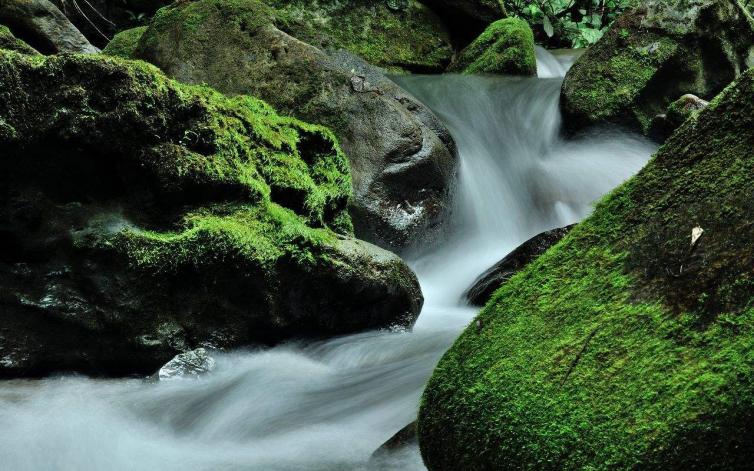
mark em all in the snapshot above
pixel 274 186
pixel 505 47
pixel 10 42
pixel 570 23
pixel 625 346
pixel 124 43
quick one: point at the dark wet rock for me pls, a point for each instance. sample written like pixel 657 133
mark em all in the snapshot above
pixel 663 125
pixel 143 218
pixel 43 26
pixel 476 14
pixel 402 159
pixel 505 47
pixel 652 55
pixel 190 364
pixel 494 277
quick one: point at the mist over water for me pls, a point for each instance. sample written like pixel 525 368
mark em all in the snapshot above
pixel 328 405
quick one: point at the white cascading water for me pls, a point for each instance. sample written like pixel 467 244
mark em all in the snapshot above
pixel 328 405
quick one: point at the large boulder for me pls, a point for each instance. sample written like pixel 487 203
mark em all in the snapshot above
pixel 398 35
pixel 124 43
pixel 654 54
pixel 143 218
pixel 43 26
pixel 505 47
pixel 494 277
pixel 403 160
pixel 630 344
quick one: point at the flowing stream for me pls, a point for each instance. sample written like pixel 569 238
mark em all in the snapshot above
pixel 328 405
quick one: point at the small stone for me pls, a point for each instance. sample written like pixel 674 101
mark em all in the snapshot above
pixel 190 364
pixel 696 233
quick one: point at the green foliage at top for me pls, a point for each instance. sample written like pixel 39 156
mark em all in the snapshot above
pixel 407 37
pixel 569 23
pixel 264 186
pixel 505 47
pixel 625 346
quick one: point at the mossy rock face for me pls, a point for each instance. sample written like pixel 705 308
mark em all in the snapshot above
pixel 629 344
pixel 144 217
pixel 402 159
pixel 124 43
pixel 10 42
pixel 652 55
pixel 505 47
pixel 408 36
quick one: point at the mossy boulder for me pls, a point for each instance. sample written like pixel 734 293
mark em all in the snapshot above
pixel 403 160
pixel 629 344
pixel 409 36
pixel 124 43
pixel 652 55
pixel 505 47
pixel 143 218
pixel 663 125
pixel 10 42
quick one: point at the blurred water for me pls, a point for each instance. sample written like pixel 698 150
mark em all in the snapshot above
pixel 328 405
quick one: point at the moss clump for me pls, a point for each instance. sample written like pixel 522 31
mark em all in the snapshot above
pixel 625 346
pixel 411 38
pixel 124 43
pixel 505 47
pixel 652 55
pixel 193 139
pixel 10 42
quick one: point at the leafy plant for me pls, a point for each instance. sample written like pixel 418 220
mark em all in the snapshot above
pixel 569 23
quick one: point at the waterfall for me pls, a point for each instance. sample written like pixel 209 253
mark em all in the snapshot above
pixel 328 405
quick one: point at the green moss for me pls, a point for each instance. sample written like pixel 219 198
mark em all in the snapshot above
pixel 505 47
pixel 272 186
pixel 124 43
pixel 409 39
pixel 622 347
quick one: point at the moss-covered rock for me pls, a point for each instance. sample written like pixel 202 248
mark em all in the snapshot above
pixel 143 217
pixel 402 158
pixel 505 47
pixel 652 55
pixel 663 125
pixel 10 42
pixel 630 344
pixel 124 43
pixel 408 37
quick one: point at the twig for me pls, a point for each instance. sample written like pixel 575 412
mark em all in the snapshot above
pixel 578 356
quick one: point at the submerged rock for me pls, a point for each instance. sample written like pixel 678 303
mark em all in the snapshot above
pixel 398 35
pixel 630 344
pixel 403 160
pixel 43 26
pixel 144 218
pixel 652 55
pixel 186 365
pixel 505 47
pixel 493 278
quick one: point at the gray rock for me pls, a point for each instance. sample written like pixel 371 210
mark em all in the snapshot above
pixel 43 26
pixel 403 160
pixel 193 363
